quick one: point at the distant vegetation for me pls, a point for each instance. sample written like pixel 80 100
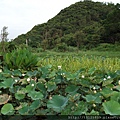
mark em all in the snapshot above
pixel 85 25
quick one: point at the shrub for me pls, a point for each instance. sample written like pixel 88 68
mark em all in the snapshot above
pixel 107 47
pixel 62 47
pixel 20 59
pixel 72 49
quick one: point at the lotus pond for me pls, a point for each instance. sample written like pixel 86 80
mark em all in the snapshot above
pixel 54 89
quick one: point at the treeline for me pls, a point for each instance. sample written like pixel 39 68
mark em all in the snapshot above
pixel 85 24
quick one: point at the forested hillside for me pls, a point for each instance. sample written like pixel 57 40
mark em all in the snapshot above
pixel 83 24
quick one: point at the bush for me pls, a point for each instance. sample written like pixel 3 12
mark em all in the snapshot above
pixel 38 50
pixel 62 47
pixel 72 49
pixel 20 59
pixel 107 47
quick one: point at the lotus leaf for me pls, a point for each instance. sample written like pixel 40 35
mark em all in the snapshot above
pixel 57 103
pixel 111 107
pixel 7 109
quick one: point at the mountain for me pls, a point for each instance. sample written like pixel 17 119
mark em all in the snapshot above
pixel 83 24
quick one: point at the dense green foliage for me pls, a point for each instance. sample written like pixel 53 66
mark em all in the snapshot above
pixel 46 91
pixel 84 24
pixel 20 59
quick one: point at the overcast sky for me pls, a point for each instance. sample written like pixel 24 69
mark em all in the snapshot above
pixel 20 16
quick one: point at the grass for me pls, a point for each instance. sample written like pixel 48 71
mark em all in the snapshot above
pixel 73 61
pixel 109 54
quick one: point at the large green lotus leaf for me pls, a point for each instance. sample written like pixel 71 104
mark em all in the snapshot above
pixel 8 83
pixel 57 103
pixel 52 74
pixel 41 87
pixel 24 110
pixel 30 73
pixel 111 107
pixel 112 75
pixel 6 73
pixel 7 109
pixel 35 95
pixel 15 89
pixel 86 82
pixel 71 76
pixel 17 73
pixel 71 88
pixel 29 88
pixel 58 79
pixel 46 69
pixel 51 86
pixel 93 98
pixel 116 97
pixel 107 92
pixel 35 104
pixel 19 95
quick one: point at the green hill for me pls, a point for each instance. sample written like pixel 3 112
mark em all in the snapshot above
pixel 83 24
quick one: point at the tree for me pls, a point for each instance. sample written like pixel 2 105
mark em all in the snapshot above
pixel 112 26
pixel 79 38
pixel 4 39
pixel 44 44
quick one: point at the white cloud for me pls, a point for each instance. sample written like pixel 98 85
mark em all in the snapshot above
pixel 22 15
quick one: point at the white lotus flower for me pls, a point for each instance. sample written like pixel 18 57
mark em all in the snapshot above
pixel 12 76
pixel 16 80
pixel 32 85
pixel 28 79
pixel 50 98
pixel 94 105
pixel 59 67
pixel 95 91
pixel 63 73
pixel 119 82
pixel 94 88
pixel 108 77
pixel 100 89
pixel 83 76
pixel 104 79
pixel 23 74
pixel 0 70
pixel 76 104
